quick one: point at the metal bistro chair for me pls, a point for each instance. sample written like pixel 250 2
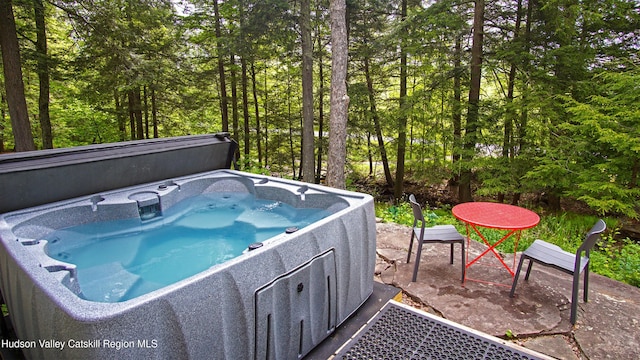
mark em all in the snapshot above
pixel 441 234
pixel 552 255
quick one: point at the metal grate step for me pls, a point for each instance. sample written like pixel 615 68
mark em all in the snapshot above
pixel 403 333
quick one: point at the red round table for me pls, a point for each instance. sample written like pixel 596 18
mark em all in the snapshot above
pixel 512 218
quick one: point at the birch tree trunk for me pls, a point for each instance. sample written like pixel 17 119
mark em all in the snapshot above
pixel 307 93
pixel 339 99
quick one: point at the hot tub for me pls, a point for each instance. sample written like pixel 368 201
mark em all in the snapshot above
pixel 277 301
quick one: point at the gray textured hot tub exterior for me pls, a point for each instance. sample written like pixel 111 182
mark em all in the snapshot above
pixel 255 306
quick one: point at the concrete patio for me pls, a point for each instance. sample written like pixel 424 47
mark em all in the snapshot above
pixel 607 326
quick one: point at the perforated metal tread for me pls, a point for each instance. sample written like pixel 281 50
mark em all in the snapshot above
pixel 398 332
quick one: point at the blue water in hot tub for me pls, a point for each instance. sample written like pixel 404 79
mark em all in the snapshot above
pixel 119 260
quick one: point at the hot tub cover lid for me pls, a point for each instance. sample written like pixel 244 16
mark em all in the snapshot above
pixel 35 178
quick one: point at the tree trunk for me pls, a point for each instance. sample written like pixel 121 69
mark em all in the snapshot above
pixel 245 108
pixel 471 136
pixel 154 112
pixel 376 124
pixel 131 110
pixel 3 116
pixel 235 119
pixel 122 123
pixel 145 96
pixel 257 112
pixel 522 126
pixel 138 114
pixel 224 108
pixel 244 88
pixel 402 121
pixel 457 99
pixel 290 121
pixel 339 98
pixel 456 115
pixel 307 93
pixel 508 147
pixel 320 110
pixel 135 114
pixel 43 75
pixel 370 154
pixel 266 119
pixel 14 86
pixel 234 106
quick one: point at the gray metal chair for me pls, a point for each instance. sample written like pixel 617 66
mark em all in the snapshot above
pixel 441 234
pixel 553 256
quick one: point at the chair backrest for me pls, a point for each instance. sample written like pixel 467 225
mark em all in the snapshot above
pixel 592 237
pixel 417 211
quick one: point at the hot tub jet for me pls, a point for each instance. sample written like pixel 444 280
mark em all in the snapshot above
pixel 148 204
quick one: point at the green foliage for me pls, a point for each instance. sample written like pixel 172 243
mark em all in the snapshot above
pixel 597 152
pixel 618 260
pixel 403 214
pixel 255 168
pixel 428 171
pixel 399 214
pixel 497 177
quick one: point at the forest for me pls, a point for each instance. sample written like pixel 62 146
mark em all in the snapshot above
pixel 492 98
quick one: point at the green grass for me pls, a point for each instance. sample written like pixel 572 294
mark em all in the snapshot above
pixel 616 259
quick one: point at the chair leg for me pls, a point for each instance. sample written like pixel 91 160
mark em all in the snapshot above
pixel 451 255
pixel 586 284
pixel 526 277
pixel 415 268
pixel 574 297
pixel 515 277
pixel 462 261
pixel 413 234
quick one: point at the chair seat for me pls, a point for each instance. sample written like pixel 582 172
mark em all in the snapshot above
pixel 440 233
pixel 553 255
pixel 443 234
